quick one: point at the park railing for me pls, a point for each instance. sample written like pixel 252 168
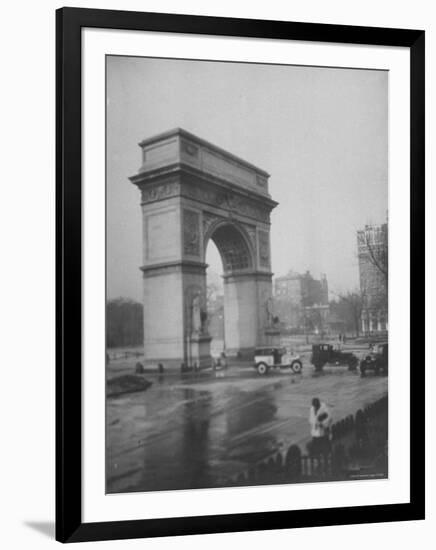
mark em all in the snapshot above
pixel 356 439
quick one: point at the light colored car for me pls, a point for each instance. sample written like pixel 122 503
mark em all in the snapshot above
pixel 272 357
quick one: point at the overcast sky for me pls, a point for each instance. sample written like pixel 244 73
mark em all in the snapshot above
pixel 321 133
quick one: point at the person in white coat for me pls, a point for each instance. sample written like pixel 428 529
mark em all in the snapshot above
pixel 320 420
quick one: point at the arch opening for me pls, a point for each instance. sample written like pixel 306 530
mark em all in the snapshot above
pixel 215 298
pixel 229 255
pixel 233 248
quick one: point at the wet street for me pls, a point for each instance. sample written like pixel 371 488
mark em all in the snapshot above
pixel 198 430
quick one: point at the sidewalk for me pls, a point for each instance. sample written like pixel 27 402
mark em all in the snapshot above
pixel 358 451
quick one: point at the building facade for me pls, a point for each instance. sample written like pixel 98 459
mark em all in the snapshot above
pixel 372 244
pixel 301 301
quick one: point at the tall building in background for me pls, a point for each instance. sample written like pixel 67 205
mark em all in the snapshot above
pixel 301 302
pixel 372 245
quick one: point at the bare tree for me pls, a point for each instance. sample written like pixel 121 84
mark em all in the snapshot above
pixel 354 302
pixel 124 323
pixel 212 290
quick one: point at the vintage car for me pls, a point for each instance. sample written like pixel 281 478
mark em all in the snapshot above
pixel 376 360
pixel 326 354
pixel 272 357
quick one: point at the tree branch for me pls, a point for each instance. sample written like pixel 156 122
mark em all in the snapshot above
pixel 382 267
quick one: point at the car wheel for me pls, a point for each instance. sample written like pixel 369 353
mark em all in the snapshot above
pixel 318 367
pixel 296 366
pixel 262 368
pixel 362 369
pixel 352 365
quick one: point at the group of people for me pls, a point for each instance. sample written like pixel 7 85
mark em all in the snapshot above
pixel 320 420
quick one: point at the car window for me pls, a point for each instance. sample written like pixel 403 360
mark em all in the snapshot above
pixel 263 352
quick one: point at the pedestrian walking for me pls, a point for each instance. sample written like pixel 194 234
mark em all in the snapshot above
pixel 320 420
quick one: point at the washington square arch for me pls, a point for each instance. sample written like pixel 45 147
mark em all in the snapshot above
pixel 193 192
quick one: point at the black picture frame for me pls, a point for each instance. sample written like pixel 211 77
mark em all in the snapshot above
pixel 69 22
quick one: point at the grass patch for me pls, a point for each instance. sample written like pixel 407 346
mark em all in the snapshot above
pixel 127 383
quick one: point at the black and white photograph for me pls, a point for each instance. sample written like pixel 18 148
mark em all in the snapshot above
pixel 247 321
pixel 217 306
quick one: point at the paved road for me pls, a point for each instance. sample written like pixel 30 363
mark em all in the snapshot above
pixel 196 431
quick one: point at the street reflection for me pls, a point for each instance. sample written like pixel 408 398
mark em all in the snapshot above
pixel 247 411
pixel 196 432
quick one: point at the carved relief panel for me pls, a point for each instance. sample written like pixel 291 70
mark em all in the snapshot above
pixel 152 193
pixel 231 203
pixel 191 232
pixel 264 252
pixel 209 219
pixel 251 231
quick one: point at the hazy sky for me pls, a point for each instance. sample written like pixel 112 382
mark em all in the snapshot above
pixel 321 133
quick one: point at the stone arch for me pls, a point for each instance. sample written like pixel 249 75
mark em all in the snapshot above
pixel 192 192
